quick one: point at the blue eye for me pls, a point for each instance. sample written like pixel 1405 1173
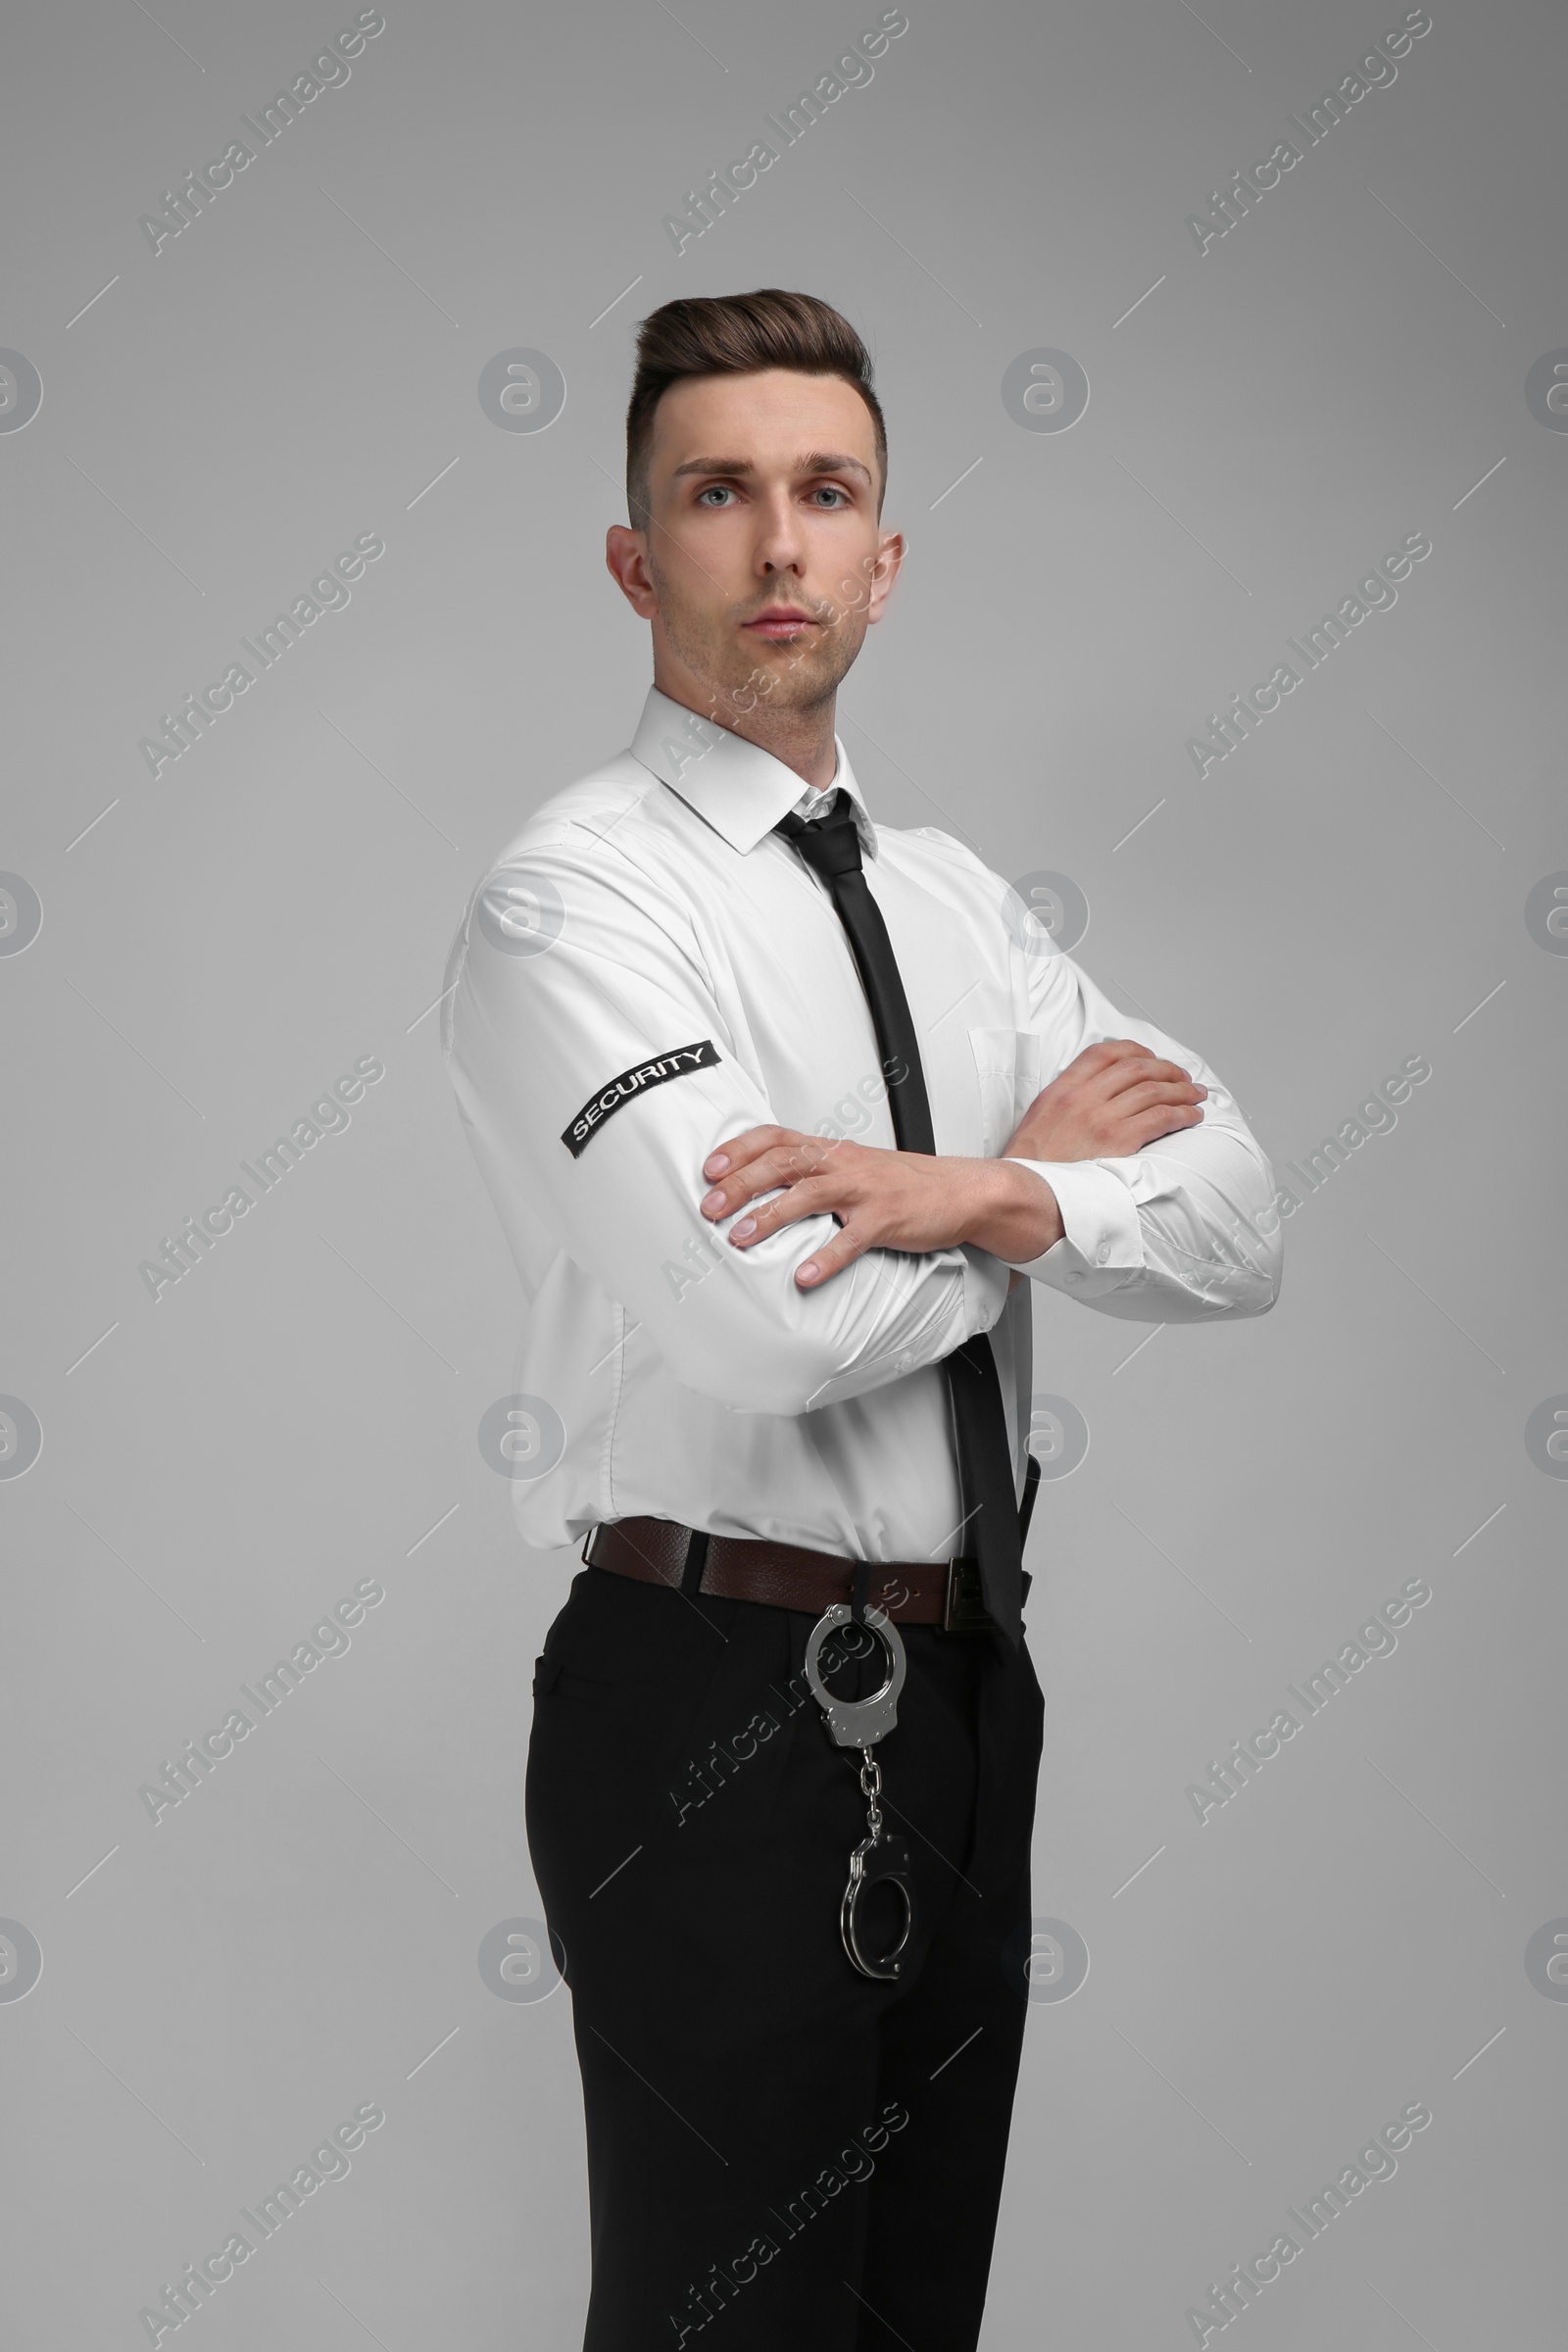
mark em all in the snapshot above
pixel 714 490
pixel 830 490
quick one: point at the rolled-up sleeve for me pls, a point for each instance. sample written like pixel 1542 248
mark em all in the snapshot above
pixel 576 993
pixel 1180 1232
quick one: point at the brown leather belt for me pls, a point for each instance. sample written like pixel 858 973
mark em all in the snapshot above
pixel 786 1576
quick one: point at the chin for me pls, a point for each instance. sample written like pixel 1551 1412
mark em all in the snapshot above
pixel 803 670
pixel 801 690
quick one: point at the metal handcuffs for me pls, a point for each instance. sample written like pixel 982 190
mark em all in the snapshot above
pixel 882 1858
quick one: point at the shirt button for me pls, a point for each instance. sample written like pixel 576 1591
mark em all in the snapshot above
pixel 1102 1253
pixel 1072 1277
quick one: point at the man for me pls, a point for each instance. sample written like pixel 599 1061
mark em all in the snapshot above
pixel 782 1110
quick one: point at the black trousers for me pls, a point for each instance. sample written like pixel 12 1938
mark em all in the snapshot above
pixel 780 2151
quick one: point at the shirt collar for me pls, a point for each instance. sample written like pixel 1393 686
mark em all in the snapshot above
pixel 734 786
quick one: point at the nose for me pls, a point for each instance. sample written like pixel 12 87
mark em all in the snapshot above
pixel 780 542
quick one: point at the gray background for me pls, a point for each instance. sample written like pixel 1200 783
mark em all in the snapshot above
pixel 220 1989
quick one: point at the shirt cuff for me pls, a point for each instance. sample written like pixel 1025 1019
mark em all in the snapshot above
pixel 1102 1240
pixel 987 1280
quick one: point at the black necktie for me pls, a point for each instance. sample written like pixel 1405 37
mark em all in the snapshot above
pixel 831 846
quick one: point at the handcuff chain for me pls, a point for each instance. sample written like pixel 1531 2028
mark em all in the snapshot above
pixel 871 1789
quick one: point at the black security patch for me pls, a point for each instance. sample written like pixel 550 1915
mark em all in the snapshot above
pixel 677 1063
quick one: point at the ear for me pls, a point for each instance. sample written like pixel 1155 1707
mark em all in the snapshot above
pixel 627 561
pixel 889 561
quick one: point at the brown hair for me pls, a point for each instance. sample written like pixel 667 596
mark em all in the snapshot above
pixel 739 334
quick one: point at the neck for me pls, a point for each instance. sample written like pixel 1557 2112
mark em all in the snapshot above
pixel 801 740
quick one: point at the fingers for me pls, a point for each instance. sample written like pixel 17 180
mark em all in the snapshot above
pixel 1133 1101
pixel 823 1264
pixel 786 1159
pixel 738 1149
pixel 1144 1112
pixel 1108 1051
pixel 1151 1125
pixel 812 1197
pixel 1127 1072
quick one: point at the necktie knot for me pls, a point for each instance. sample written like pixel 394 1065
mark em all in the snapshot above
pixel 830 844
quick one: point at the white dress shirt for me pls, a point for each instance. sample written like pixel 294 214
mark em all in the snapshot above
pixel 650 908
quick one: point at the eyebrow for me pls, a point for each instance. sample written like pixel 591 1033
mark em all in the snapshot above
pixel 816 460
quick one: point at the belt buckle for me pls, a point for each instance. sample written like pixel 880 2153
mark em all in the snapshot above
pixel 963 1608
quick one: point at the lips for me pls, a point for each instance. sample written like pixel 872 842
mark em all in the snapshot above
pixel 779 621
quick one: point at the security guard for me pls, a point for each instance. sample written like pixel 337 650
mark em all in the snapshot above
pixel 782 1111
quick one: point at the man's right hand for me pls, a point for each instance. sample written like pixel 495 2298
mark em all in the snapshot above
pixel 1109 1102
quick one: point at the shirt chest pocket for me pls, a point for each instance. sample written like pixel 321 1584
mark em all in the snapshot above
pixel 1008 1067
